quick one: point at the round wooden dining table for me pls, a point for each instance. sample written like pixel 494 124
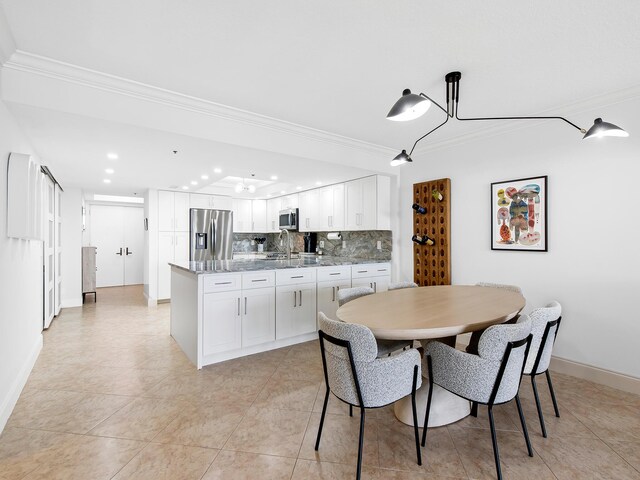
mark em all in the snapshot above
pixel 438 312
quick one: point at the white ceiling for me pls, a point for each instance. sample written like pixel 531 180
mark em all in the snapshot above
pixel 338 66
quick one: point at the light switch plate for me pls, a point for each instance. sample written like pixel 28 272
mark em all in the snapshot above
pixel 344 244
pixel 321 243
pixel 379 245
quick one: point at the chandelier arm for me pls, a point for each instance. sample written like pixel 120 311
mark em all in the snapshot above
pixel 429 132
pixel 582 130
pixel 434 102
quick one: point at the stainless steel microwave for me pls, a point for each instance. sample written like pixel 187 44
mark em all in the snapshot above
pixel 288 219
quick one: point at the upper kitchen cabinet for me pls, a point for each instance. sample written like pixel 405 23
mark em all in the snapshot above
pixel 216 202
pixel 310 211
pixel 368 203
pixel 273 215
pixel 289 201
pixel 258 216
pixel 249 216
pixel 173 211
pixel 332 207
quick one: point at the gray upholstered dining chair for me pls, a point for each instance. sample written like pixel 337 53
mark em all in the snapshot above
pixel 385 347
pixel 399 285
pixel 544 328
pixel 490 378
pixel 475 336
pixel 355 375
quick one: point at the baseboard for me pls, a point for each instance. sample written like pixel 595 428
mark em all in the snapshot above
pixel 151 302
pixel 8 403
pixel 595 374
pixel 71 302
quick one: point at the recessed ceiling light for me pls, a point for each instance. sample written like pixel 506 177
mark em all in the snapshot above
pixel 217 170
pixel 274 177
pixel 184 187
pixel 298 187
pixel 205 177
pixel 318 182
pixel 282 192
pixel 106 180
pixel 112 156
pixel 109 170
pixel 193 182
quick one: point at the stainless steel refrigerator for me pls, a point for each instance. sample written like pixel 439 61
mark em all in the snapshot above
pixel 211 235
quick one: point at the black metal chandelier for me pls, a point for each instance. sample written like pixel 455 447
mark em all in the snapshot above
pixel 411 106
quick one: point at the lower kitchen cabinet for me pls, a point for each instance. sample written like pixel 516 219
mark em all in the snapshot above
pixel 222 322
pixel 328 296
pixel 295 310
pixel 258 316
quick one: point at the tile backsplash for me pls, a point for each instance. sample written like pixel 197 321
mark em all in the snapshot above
pixel 357 244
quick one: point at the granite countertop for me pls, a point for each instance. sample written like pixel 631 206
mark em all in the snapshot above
pixel 225 266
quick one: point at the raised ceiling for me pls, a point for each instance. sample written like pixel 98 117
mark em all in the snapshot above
pixel 338 66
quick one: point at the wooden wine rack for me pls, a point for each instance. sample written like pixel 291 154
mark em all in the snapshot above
pixel 432 264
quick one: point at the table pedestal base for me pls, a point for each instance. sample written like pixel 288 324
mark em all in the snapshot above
pixel 446 407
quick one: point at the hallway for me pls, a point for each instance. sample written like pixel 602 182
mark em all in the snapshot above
pixel 113 396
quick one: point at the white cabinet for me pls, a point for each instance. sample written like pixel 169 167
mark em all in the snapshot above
pixel 258 216
pixel 258 316
pixel 273 215
pixel 241 215
pixel 331 201
pixel 376 276
pixel 173 211
pixel 289 201
pixel 368 203
pixel 327 293
pixel 295 310
pixel 249 216
pixel 310 211
pixel 172 247
pixel 216 202
pixel 222 322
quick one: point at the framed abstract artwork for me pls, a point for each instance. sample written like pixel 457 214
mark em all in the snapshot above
pixel 519 215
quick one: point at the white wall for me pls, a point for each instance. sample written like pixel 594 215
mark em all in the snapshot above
pixel 21 285
pixel 593 263
pixel 71 237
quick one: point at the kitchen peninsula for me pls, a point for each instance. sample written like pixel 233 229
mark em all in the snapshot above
pixel 227 309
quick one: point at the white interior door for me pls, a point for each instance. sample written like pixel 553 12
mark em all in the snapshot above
pixel 107 235
pixel 49 226
pixel 133 220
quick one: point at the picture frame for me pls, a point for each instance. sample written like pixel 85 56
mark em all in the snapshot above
pixel 519 214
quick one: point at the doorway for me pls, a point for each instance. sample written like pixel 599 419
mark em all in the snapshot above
pixel 117 232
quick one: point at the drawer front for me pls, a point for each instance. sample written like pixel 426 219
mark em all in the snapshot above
pixel 371 270
pixel 258 279
pixel 221 283
pixel 294 276
pixel 326 274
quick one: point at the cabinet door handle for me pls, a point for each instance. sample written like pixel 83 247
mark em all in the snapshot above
pixel 260 280
pixel 120 252
pixel 300 297
pixel 273 224
pixel 334 294
pixel 295 299
pixel 335 273
pixel 375 286
pixel 222 283
pixel 245 305
pixel 253 226
pixel 297 276
pixel 238 306
pixel 127 251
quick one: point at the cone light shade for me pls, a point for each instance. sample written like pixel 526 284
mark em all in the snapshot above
pixel 401 158
pixel 604 129
pixel 409 107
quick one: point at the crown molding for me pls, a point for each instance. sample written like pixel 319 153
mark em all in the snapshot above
pixel 7 44
pixel 570 110
pixel 47 67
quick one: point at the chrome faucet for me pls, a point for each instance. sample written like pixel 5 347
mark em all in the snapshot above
pixel 288 242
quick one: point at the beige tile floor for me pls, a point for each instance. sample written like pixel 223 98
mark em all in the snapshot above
pixel 112 396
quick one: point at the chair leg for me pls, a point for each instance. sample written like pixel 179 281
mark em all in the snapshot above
pixel 494 441
pixel 474 409
pixel 553 395
pixel 324 411
pixel 426 415
pixel 415 414
pixel 350 410
pixel 524 426
pixel 538 406
pixel 361 442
